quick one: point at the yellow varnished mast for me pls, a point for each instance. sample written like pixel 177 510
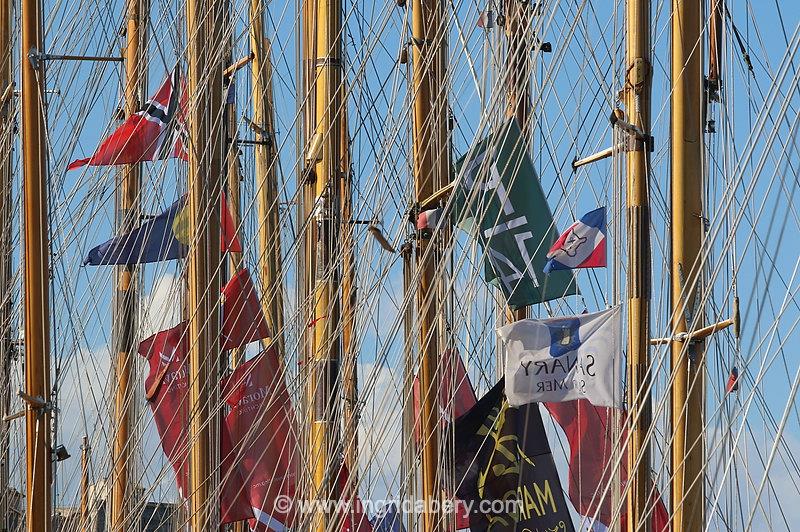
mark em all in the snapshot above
pixel 206 147
pixel 266 166
pixel 518 72
pixel 86 457
pixel 126 276
pixel 638 80
pixel 6 237
pixel 350 411
pixel 431 172
pixel 38 515
pixel 688 366
pixel 323 155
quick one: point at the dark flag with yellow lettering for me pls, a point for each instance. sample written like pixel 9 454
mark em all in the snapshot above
pixel 504 469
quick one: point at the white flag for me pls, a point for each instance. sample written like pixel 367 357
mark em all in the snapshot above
pixel 561 359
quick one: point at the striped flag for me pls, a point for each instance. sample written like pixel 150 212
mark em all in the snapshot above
pixel 583 245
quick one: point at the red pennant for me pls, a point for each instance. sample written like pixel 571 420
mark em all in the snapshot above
pixel 230 237
pixel 589 431
pixel 243 320
pixel 355 520
pixel 456 397
pixel 167 390
pixel 263 431
pixel 733 380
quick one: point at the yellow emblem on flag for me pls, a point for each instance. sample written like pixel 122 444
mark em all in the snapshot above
pixel 181 226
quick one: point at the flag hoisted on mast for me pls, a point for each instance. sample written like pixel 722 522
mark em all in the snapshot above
pixel 264 438
pixel 501 202
pixel 165 237
pixel 156 132
pixel 583 245
pixel 502 455
pixel 558 359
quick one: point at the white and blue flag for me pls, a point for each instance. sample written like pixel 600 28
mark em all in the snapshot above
pixel 561 359
pixel 583 245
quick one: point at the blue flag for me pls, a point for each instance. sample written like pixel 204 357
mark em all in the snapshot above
pixel 165 237
pixel 389 520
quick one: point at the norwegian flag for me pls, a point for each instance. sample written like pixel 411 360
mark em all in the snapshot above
pixel 583 245
pixel 155 132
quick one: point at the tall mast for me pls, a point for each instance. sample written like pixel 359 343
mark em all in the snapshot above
pixel 266 159
pixel 688 366
pixel 83 518
pixel 206 143
pixel 235 259
pixel 126 276
pixel 431 171
pixel 518 71
pixel 518 74
pixel 638 81
pixel 324 154
pixel 305 262
pixel 350 354
pixel 6 300
pixel 37 274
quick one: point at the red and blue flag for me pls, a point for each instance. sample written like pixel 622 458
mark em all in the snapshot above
pixel 157 131
pixel 583 245
pixel 164 237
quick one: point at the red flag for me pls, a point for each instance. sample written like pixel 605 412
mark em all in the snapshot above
pixel 166 390
pixel 456 396
pixel 462 516
pixel 262 427
pixel 230 236
pixel 243 320
pixel 589 431
pixel 733 380
pixel 355 520
pixel 155 132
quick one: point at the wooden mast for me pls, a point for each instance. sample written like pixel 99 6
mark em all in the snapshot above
pixel 266 165
pixel 518 72
pixel 431 171
pixel 6 344
pixel 37 275
pixel 235 259
pixel 350 354
pixel 206 146
pixel 638 81
pixel 83 522
pixel 126 276
pixel 688 366
pixel 323 154
pixel 306 260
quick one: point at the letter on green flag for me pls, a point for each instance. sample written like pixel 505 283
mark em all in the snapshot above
pixel 501 201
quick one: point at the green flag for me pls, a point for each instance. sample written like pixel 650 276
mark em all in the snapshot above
pixel 501 201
